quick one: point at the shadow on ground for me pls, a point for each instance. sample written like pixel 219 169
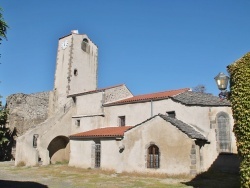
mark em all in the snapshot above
pixel 20 184
pixel 224 172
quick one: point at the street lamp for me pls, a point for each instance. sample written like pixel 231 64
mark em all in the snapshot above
pixel 222 82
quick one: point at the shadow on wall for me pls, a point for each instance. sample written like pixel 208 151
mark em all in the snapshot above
pixel 59 149
pixel 224 172
pixel 20 184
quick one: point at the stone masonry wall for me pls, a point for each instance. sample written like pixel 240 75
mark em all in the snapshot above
pixel 26 111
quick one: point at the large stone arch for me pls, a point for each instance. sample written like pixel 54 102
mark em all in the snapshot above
pixel 59 149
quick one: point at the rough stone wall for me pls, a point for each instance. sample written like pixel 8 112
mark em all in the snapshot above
pixel 117 93
pixel 26 111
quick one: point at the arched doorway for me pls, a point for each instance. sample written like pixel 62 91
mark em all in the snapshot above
pixel 59 149
pixel 223 132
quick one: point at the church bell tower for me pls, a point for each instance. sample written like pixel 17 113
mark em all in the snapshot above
pixel 76 66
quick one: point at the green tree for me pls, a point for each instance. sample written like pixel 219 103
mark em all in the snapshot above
pixel 3 26
pixel 6 136
pixel 199 88
pixel 240 99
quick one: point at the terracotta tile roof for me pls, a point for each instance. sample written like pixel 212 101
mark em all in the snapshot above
pixel 149 97
pixel 103 132
pixel 96 90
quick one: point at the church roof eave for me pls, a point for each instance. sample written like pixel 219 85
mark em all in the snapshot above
pixel 149 97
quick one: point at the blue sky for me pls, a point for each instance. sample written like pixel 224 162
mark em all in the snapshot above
pixel 150 45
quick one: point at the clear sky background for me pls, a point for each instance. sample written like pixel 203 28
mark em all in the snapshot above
pixel 150 45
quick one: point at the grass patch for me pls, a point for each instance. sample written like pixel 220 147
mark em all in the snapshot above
pixel 21 164
pixel 64 162
pixel 61 175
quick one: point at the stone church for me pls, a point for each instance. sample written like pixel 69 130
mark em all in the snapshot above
pixel 174 132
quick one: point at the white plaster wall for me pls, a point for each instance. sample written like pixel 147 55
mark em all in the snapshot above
pixel 25 153
pixel 86 124
pixel 80 153
pixel 110 156
pixel 58 125
pixel 138 112
pixel 90 104
pixel 198 116
pixel 174 147
pixel 194 115
pixel 61 71
pixel 135 113
pixel 86 65
pixel 209 151
pixel 24 149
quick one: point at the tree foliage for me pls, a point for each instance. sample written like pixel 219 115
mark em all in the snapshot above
pixel 6 136
pixel 199 88
pixel 240 99
pixel 3 26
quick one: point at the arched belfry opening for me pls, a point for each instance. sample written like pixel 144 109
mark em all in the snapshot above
pixel 85 45
pixel 59 149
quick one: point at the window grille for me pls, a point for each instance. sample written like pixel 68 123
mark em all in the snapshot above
pixel 97 155
pixel 153 157
pixel 224 134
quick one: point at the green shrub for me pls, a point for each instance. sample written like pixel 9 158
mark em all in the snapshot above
pixel 240 99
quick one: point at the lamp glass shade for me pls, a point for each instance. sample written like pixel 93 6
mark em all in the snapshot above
pixel 221 81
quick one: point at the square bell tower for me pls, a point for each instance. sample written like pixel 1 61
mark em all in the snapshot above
pixel 76 66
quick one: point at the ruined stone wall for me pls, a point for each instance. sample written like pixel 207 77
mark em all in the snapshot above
pixel 26 111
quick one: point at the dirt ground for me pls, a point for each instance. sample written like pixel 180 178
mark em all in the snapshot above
pixel 63 176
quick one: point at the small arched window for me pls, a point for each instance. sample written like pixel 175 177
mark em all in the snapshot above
pixel 153 157
pixel 85 45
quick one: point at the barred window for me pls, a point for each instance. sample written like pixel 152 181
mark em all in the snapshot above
pixel 153 158
pixel 97 154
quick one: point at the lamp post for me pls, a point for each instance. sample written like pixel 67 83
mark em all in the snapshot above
pixel 222 82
